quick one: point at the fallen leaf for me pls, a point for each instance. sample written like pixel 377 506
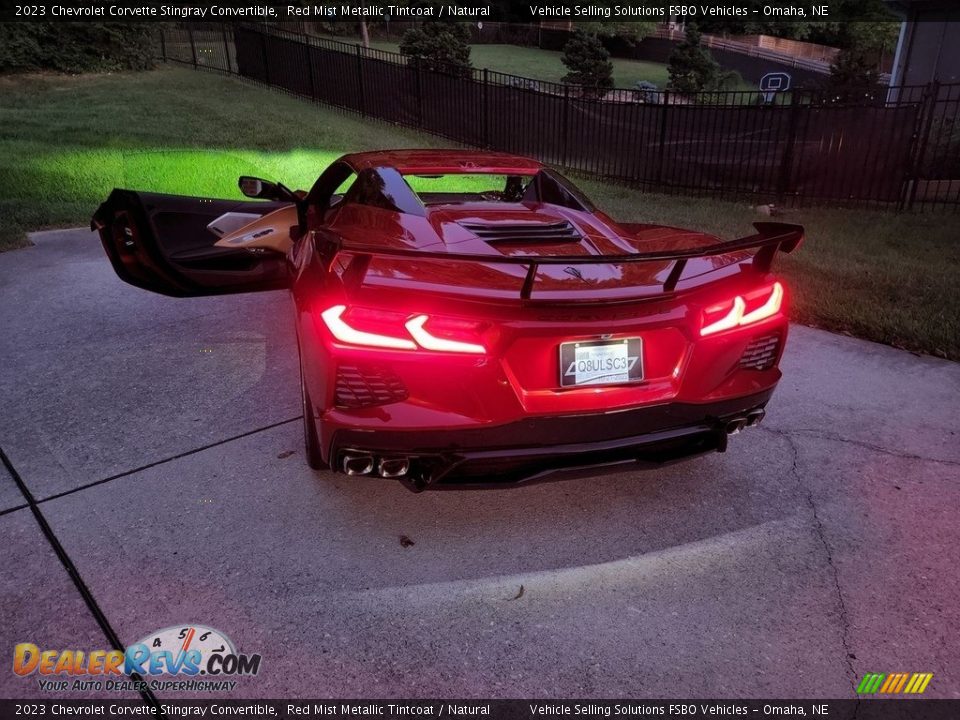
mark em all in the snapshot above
pixel 285 454
pixel 519 594
pixel 405 541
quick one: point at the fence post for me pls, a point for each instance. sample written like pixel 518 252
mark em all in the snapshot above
pixel 485 99
pixel 931 93
pixel 263 52
pixel 363 99
pixel 565 154
pixel 313 81
pixel 226 48
pixel 663 136
pixel 419 77
pixel 163 45
pixel 786 164
pixel 193 46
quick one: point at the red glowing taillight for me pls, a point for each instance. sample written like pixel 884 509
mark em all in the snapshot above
pixel 396 331
pixel 742 310
pixel 344 332
pixel 430 341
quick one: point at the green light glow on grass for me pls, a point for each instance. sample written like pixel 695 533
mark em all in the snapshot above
pixel 456 183
pixel 67 141
pixel 91 174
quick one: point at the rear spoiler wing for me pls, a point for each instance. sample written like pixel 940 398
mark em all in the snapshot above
pixel 769 239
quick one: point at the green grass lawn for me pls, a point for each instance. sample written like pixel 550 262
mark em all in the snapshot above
pixel 546 65
pixel 65 142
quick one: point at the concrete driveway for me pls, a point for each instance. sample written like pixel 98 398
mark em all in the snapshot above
pixel 161 441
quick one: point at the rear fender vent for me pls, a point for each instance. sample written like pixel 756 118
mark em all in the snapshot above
pixel 761 353
pixel 367 385
pixel 557 232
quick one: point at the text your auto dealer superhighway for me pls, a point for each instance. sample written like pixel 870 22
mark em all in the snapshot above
pixel 160 11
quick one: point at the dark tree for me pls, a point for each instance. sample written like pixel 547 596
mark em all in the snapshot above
pixel 440 46
pixel 77 47
pixel 589 64
pixel 853 77
pixel 691 67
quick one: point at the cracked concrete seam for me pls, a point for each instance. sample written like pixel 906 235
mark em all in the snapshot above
pixel 835 437
pixel 821 536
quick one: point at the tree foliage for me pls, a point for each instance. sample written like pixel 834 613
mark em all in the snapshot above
pixel 588 62
pixel 691 67
pixel 77 47
pixel 854 73
pixel 440 46
pixel 632 31
pixel 853 77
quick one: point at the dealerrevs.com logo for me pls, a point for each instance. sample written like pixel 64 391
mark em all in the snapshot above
pixel 187 657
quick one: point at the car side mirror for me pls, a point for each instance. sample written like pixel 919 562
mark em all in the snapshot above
pixel 255 187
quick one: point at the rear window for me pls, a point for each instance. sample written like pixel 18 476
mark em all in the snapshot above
pixel 463 188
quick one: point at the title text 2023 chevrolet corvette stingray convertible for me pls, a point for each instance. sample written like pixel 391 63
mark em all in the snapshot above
pixel 470 317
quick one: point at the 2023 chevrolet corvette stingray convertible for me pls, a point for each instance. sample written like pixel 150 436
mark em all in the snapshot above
pixel 471 317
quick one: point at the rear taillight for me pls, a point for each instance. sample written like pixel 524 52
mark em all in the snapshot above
pixel 742 310
pixel 444 341
pixel 760 306
pixel 345 332
pixel 722 317
pixel 397 331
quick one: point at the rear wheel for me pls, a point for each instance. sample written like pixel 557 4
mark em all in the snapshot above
pixel 310 442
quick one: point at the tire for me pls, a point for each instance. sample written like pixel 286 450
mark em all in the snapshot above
pixel 310 443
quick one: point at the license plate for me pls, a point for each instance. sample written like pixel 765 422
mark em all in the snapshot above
pixel 601 362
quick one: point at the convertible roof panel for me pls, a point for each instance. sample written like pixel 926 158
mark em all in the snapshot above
pixel 433 162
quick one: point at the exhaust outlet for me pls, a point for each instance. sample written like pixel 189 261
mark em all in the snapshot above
pixel 393 467
pixel 755 417
pixel 736 425
pixel 358 464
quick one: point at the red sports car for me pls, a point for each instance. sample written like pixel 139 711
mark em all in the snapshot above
pixel 471 317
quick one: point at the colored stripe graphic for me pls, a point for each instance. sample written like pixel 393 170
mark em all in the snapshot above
pixel 923 679
pixel 894 683
pixel 870 683
pixel 875 680
pixel 901 682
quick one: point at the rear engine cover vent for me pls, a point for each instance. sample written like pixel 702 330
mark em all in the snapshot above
pixel 557 232
pixel 367 385
pixel 761 353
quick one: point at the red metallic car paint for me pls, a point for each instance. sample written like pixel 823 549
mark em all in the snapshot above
pixel 446 405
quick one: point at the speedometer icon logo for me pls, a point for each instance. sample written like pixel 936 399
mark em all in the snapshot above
pixel 182 639
pixel 189 650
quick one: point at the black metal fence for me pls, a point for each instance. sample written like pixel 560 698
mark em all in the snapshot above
pixel 897 148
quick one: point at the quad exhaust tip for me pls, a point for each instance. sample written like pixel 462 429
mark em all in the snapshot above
pixel 736 425
pixel 754 417
pixel 360 463
pixel 393 467
pixel 357 464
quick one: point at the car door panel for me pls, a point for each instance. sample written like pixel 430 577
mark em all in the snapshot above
pixel 162 243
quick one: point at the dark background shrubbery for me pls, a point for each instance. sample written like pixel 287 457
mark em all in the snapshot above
pixel 77 47
pixel 440 46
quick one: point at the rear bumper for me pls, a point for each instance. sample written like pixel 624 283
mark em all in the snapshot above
pixel 526 449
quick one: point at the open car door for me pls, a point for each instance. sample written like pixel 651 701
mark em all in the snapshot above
pixel 168 244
